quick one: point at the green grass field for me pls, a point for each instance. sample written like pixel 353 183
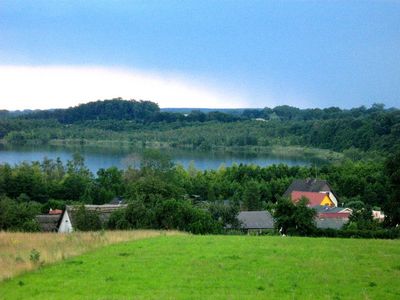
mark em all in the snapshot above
pixel 220 267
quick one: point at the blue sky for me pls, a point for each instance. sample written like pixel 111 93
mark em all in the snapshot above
pixel 200 53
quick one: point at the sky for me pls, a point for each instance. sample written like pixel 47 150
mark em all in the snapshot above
pixel 205 53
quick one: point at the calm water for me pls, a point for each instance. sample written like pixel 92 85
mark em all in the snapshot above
pixel 100 157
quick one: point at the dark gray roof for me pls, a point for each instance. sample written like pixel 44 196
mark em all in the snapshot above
pixel 48 223
pixel 333 223
pixel 256 220
pixel 308 185
pixel 104 211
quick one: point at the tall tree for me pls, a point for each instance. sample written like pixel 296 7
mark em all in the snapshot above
pixel 252 196
pixel 392 207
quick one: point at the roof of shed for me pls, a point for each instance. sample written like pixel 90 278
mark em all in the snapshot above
pixel 48 222
pixel 333 223
pixel 256 220
pixel 104 211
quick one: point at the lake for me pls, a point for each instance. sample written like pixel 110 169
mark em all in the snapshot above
pixel 121 157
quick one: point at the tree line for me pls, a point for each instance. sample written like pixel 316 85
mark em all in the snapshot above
pixel 164 195
pixel 142 123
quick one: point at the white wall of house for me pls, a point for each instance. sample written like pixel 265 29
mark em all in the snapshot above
pixel 333 198
pixel 65 225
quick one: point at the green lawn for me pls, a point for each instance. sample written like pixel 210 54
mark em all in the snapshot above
pixel 222 267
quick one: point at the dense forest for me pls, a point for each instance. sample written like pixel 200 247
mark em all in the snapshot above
pixel 210 199
pixel 163 195
pixel 142 123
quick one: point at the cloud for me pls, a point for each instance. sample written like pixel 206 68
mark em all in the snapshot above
pixel 40 87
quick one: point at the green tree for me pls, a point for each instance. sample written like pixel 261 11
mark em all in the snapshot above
pixel 392 206
pixel 139 216
pixel 87 220
pixel 18 216
pixel 293 218
pixel 251 196
pixel 118 220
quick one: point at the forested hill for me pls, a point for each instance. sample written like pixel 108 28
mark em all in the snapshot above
pixel 367 129
pixel 147 111
pixel 115 109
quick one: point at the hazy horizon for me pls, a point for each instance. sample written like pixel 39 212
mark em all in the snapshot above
pixel 200 108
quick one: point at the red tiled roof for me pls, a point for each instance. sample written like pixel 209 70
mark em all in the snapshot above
pixel 55 212
pixel 315 198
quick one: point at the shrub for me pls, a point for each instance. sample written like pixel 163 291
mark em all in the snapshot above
pixel 294 219
pixel 30 226
pixel 34 256
pixel 87 220
pixel 118 220
pixel 393 233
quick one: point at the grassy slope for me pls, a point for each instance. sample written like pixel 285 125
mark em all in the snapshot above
pixel 15 247
pixel 226 267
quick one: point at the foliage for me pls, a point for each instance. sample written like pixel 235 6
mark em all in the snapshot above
pixel 392 206
pixel 16 216
pixel 252 196
pixel 360 184
pixel 87 220
pixel 362 219
pixel 34 256
pixel 166 214
pixel 355 131
pixel 181 215
pixel 118 220
pixel 294 219
pixel 376 233
pixel 225 214
pixel 101 110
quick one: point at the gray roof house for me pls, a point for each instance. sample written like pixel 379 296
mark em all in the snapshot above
pixel 332 223
pixel 311 185
pixel 48 222
pixel 67 223
pixel 257 220
pixel 308 185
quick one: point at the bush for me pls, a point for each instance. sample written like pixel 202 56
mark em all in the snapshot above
pixel 294 219
pixel 16 216
pixel 30 226
pixel 182 215
pixel 393 233
pixel 87 220
pixel 118 220
pixel 34 256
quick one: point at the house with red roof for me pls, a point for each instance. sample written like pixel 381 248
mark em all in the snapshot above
pixel 314 198
pixel 313 186
pixel 322 199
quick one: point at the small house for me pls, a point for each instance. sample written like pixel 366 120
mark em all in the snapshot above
pixel 378 215
pixel 332 217
pixel 255 220
pixel 321 198
pixel 67 223
pixel 49 222
pixel 312 186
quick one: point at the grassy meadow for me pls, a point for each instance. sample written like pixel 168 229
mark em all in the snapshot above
pixel 220 267
pixel 16 247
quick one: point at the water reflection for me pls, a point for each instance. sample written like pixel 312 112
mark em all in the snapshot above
pixel 103 157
